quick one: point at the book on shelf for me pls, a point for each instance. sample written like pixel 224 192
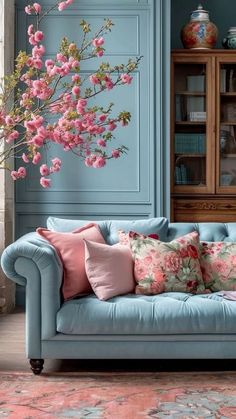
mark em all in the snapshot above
pixel 183 171
pixel 190 143
pixel 178 108
pixel 195 104
pixel 197 116
pixel 181 175
pixel 223 72
pixel 231 80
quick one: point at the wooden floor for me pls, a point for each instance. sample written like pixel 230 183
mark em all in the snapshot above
pixel 12 355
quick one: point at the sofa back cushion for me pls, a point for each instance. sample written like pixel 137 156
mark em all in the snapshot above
pixel 70 248
pixel 109 228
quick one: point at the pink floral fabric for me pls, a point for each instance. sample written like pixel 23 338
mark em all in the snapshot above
pixel 218 264
pixel 124 237
pixel 163 267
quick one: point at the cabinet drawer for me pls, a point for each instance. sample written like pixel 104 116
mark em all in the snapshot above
pixel 208 210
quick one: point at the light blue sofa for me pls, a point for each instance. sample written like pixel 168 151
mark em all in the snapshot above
pixel 169 325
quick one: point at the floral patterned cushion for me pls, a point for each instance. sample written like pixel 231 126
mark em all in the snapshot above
pixel 164 267
pixel 218 264
pixel 124 237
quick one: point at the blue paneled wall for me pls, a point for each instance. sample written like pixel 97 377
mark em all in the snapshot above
pixel 133 186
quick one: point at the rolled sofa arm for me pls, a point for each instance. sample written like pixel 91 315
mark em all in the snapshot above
pixel 32 262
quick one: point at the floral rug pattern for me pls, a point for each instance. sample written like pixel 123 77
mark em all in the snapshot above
pixel 118 395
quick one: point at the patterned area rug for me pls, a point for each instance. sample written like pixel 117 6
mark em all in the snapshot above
pixel 118 395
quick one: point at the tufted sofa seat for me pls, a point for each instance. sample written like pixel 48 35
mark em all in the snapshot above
pixel 168 313
pixel 169 325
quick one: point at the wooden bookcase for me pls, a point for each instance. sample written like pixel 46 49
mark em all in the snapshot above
pixel 203 135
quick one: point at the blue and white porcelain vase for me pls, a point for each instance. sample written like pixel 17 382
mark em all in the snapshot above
pixel 229 42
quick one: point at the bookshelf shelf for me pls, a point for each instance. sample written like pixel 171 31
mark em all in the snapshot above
pixel 180 155
pixel 228 156
pixel 190 122
pixel 187 93
pixel 228 94
pixel 228 122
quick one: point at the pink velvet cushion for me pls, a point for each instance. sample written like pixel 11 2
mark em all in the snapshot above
pixel 70 248
pixel 109 269
pixel 218 264
pixel 164 267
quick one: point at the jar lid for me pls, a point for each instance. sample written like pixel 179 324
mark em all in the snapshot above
pixel 199 14
pixel 232 29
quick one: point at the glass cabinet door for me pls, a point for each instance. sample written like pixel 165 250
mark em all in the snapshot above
pixel 191 93
pixel 226 127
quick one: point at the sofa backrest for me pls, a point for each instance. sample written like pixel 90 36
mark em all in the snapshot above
pixel 211 232
pixel 109 228
pixel 160 225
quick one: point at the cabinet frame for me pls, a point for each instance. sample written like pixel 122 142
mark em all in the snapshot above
pixel 221 59
pixel 213 202
pixel 209 62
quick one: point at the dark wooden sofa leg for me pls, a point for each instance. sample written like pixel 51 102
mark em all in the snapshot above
pixel 36 365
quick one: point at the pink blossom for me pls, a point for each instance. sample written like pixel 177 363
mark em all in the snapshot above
pixel 115 154
pixel 49 63
pixel 36 159
pixel 9 120
pixel 101 142
pixel 75 78
pixel 37 8
pixel 112 126
pixel 99 162
pixel 38 51
pixel 21 172
pixel 30 30
pixel 82 103
pixel 56 165
pixel 97 42
pixel 65 69
pixel 28 10
pixel 100 52
pixel 102 117
pixel 76 90
pixel 126 78
pixel 61 58
pixel 44 170
pixel 88 162
pixel 74 64
pixel 45 183
pixel 38 63
pixel 61 6
pixel 94 79
pixel 12 136
pixel 38 36
pixel 109 84
pixel 14 173
pixel 32 40
pixel 37 140
pixel 25 158
pixel 100 130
